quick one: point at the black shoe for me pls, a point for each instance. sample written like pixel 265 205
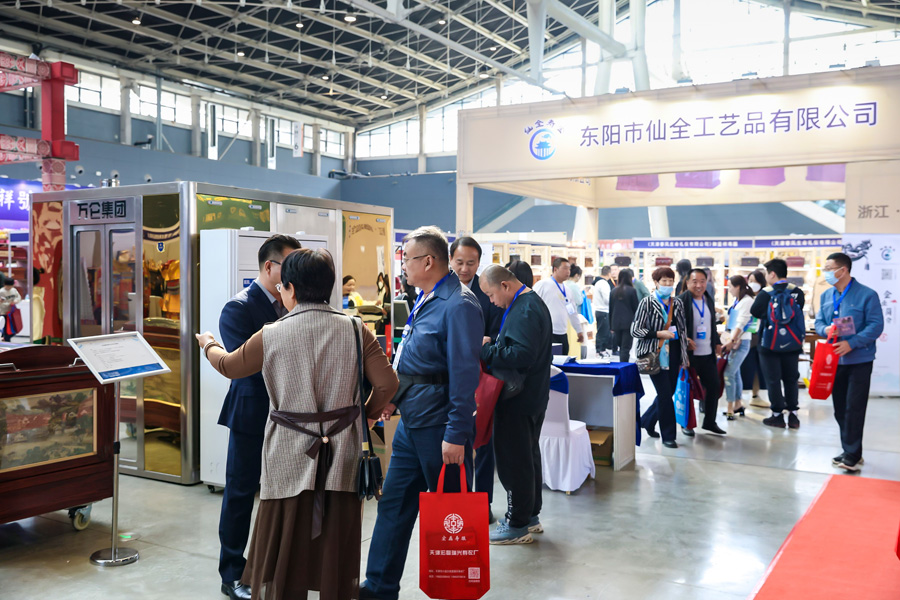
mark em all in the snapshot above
pixel 670 444
pixel 236 590
pixel 366 594
pixel 702 408
pixel 687 432
pixel 651 432
pixel 729 416
pixel 741 411
pixel 837 460
pixel 714 428
pixel 793 421
pixel 775 421
pixel 848 464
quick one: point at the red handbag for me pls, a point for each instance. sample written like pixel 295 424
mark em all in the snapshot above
pixel 13 324
pixel 486 396
pixel 824 368
pixel 721 365
pixel 454 544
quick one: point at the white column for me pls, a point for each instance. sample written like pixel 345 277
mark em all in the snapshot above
pixel 498 85
pixel 256 151
pixel 659 221
pixel 349 150
pixel 125 86
pixel 786 64
pixel 196 127
pixel 606 22
pixel 422 160
pixel 585 229
pixel 638 40
pixel 465 208
pixel 316 151
pixel 677 62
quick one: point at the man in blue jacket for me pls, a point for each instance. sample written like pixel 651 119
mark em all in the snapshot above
pixel 465 258
pixel 246 410
pixel 854 311
pixel 437 362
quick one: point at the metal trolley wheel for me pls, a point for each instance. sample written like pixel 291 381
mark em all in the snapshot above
pixel 81 517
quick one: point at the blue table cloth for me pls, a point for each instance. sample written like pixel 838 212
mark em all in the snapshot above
pixel 627 381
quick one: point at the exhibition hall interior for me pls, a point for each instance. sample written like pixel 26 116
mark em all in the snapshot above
pixel 452 299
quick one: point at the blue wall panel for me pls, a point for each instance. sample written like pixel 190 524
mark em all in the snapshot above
pixel 440 163
pixel 236 153
pixel 12 110
pixel 92 124
pixel 388 166
pixel 286 162
pixel 329 163
pixel 178 138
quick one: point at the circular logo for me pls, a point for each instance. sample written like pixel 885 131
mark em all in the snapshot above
pixel 453 523
pixel 829 359
pixel 782 331
pixel 543 144
pixel 887 253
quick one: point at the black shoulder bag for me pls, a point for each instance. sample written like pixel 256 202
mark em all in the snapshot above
pixel 370 477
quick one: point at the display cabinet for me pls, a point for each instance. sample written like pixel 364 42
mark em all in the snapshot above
pixel 56 434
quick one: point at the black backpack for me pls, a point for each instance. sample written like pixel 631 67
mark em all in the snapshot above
pixel 786 327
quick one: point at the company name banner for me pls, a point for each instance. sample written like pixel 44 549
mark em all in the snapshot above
pixel 786 121
pixel 690 243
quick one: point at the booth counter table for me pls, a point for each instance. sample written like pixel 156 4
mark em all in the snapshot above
pixel 608 395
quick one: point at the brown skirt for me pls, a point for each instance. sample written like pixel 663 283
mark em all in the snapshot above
pixel 287 563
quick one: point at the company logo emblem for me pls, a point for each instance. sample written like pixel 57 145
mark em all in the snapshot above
pixel 887 253
pixel 453 523
pixel 542 138
pixel 829 359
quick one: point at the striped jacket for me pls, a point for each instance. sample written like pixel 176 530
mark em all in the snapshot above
pixel 650 318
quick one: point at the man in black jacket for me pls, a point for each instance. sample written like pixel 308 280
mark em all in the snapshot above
pixel 523 348
pixel 703 345
pixel 779 367
pixel 465 257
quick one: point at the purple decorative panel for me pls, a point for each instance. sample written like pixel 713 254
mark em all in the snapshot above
pixel 834 173
pixel 704 180
pixel 637 183
pixel 770 177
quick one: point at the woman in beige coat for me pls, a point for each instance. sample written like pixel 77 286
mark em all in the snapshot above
pixel 309 524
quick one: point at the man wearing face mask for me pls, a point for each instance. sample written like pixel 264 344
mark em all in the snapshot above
pixel 852 312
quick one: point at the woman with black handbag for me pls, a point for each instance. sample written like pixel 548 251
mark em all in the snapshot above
pixel 658 328
pixel 316 460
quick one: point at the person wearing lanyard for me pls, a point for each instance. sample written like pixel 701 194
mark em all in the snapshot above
pixel 561 306
pixel 740 326
pixel 852 312
pixel 437 362
pixel 703 345
pixel 525 347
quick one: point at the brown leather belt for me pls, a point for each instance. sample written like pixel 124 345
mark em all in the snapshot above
pixel 321 449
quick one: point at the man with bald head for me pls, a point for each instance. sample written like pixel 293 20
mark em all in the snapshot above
pixel 523 351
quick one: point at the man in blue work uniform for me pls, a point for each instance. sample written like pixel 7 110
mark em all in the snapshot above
pixel 437 362
pixel 855 313
pixel 465 258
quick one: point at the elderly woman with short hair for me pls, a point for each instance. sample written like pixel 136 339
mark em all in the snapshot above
pixel 309 524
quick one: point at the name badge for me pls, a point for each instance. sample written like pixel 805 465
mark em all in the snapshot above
pixel 701 335
pixel 570 308
pixel 844 326
pixel 674 330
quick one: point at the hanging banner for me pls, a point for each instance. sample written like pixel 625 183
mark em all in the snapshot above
pixel 798 242
pixel 876 264
pixel 643 243
pixel 297 139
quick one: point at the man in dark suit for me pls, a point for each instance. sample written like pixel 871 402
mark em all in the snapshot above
pixel 246 410
pixel 465 257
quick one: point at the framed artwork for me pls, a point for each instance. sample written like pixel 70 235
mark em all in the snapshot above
pixel 43 429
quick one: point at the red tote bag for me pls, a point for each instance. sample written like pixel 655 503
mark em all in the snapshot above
pixel 824 368
pixel 486 396
pixel 454 547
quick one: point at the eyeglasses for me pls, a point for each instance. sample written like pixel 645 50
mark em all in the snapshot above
pixel 406 260
pixel 278 287
pixel 277 262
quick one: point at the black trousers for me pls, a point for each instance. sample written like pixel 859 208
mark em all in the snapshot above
pixel 562 339
pixel 750 370
pixel 663 408
pixel 484 469
pixel 518 453
pixel 781 368
pixel 851 397
pixel 709 379
pixel 603 341
pixel 242 473
pixel 622 340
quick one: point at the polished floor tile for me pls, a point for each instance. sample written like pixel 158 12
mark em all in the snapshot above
pixel 700 522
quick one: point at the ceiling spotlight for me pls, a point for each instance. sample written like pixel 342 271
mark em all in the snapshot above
pixel 384 96
pixel 325 77
pixel 299 25
pixel 240 53
pixel 350 18
pixel 442 21
pixel 493 48
pixel 136 20
pixel 483 75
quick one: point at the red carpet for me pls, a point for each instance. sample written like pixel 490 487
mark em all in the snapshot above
pixel 845 546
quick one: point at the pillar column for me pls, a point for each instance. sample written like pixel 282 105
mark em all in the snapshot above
pixel 316 168
pixel 465 208
pixel 125 87
pixel 659 221
pixel 256 150
pixel 422 161
pixel 196 127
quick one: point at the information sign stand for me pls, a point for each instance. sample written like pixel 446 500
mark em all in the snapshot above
pixel 114 358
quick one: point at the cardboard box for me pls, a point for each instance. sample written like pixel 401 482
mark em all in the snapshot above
pixel 602 446
pixel 382 436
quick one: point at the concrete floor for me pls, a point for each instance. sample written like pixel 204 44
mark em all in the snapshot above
pixel 701 522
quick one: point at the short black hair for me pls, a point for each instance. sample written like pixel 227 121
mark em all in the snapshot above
pixel 841 259
pixel 559 260
pixel 347 278
pixel 575 272
pixel 274 247
pixel 433 240
pixel 777 266
pixel 759 277
pixel 661 273
pixel 698 272
pixel 9 281
pixel 465 242
pixel 522 271
pixel 605 270
pixel 311 273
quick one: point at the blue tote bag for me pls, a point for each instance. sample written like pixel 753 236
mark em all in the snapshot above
pixel 682 398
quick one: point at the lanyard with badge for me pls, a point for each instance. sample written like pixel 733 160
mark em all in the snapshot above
pixel 420 302
pixel 732 316
pixel 570 308
pixel 844 326
pixel 701 328
pixel 503 321
pixel 666 309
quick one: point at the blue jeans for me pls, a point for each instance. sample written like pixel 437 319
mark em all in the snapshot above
pixel 415 465
pixel 734 385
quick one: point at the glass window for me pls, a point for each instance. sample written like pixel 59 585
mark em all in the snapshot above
pixel 398 140
pixel 380 142
pixel 95 90
pixel 110 93
pixel 308 138
pixel 362 145
pixel 183 109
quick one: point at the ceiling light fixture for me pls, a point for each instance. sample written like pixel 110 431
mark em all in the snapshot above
pixel 493 48
pixel 325 77
pixel 350 18
pixel 384 96
pixel 442 21
pixel 299 25
pixel 136 20
pixel 240 53
pixel 483 75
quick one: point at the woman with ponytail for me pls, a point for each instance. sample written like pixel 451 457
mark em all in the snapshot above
pixel 736 342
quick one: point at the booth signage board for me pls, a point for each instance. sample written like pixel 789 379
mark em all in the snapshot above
pixel 798 242
pixel 646 243
pixel 93 212
pixel 876 264
pixel 801 120
pixel 119 356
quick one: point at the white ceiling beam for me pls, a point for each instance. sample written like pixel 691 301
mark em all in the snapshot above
pixel 537 25
pixel 822 13
pixel 179 43
pixel 463 20
pixel 583 27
